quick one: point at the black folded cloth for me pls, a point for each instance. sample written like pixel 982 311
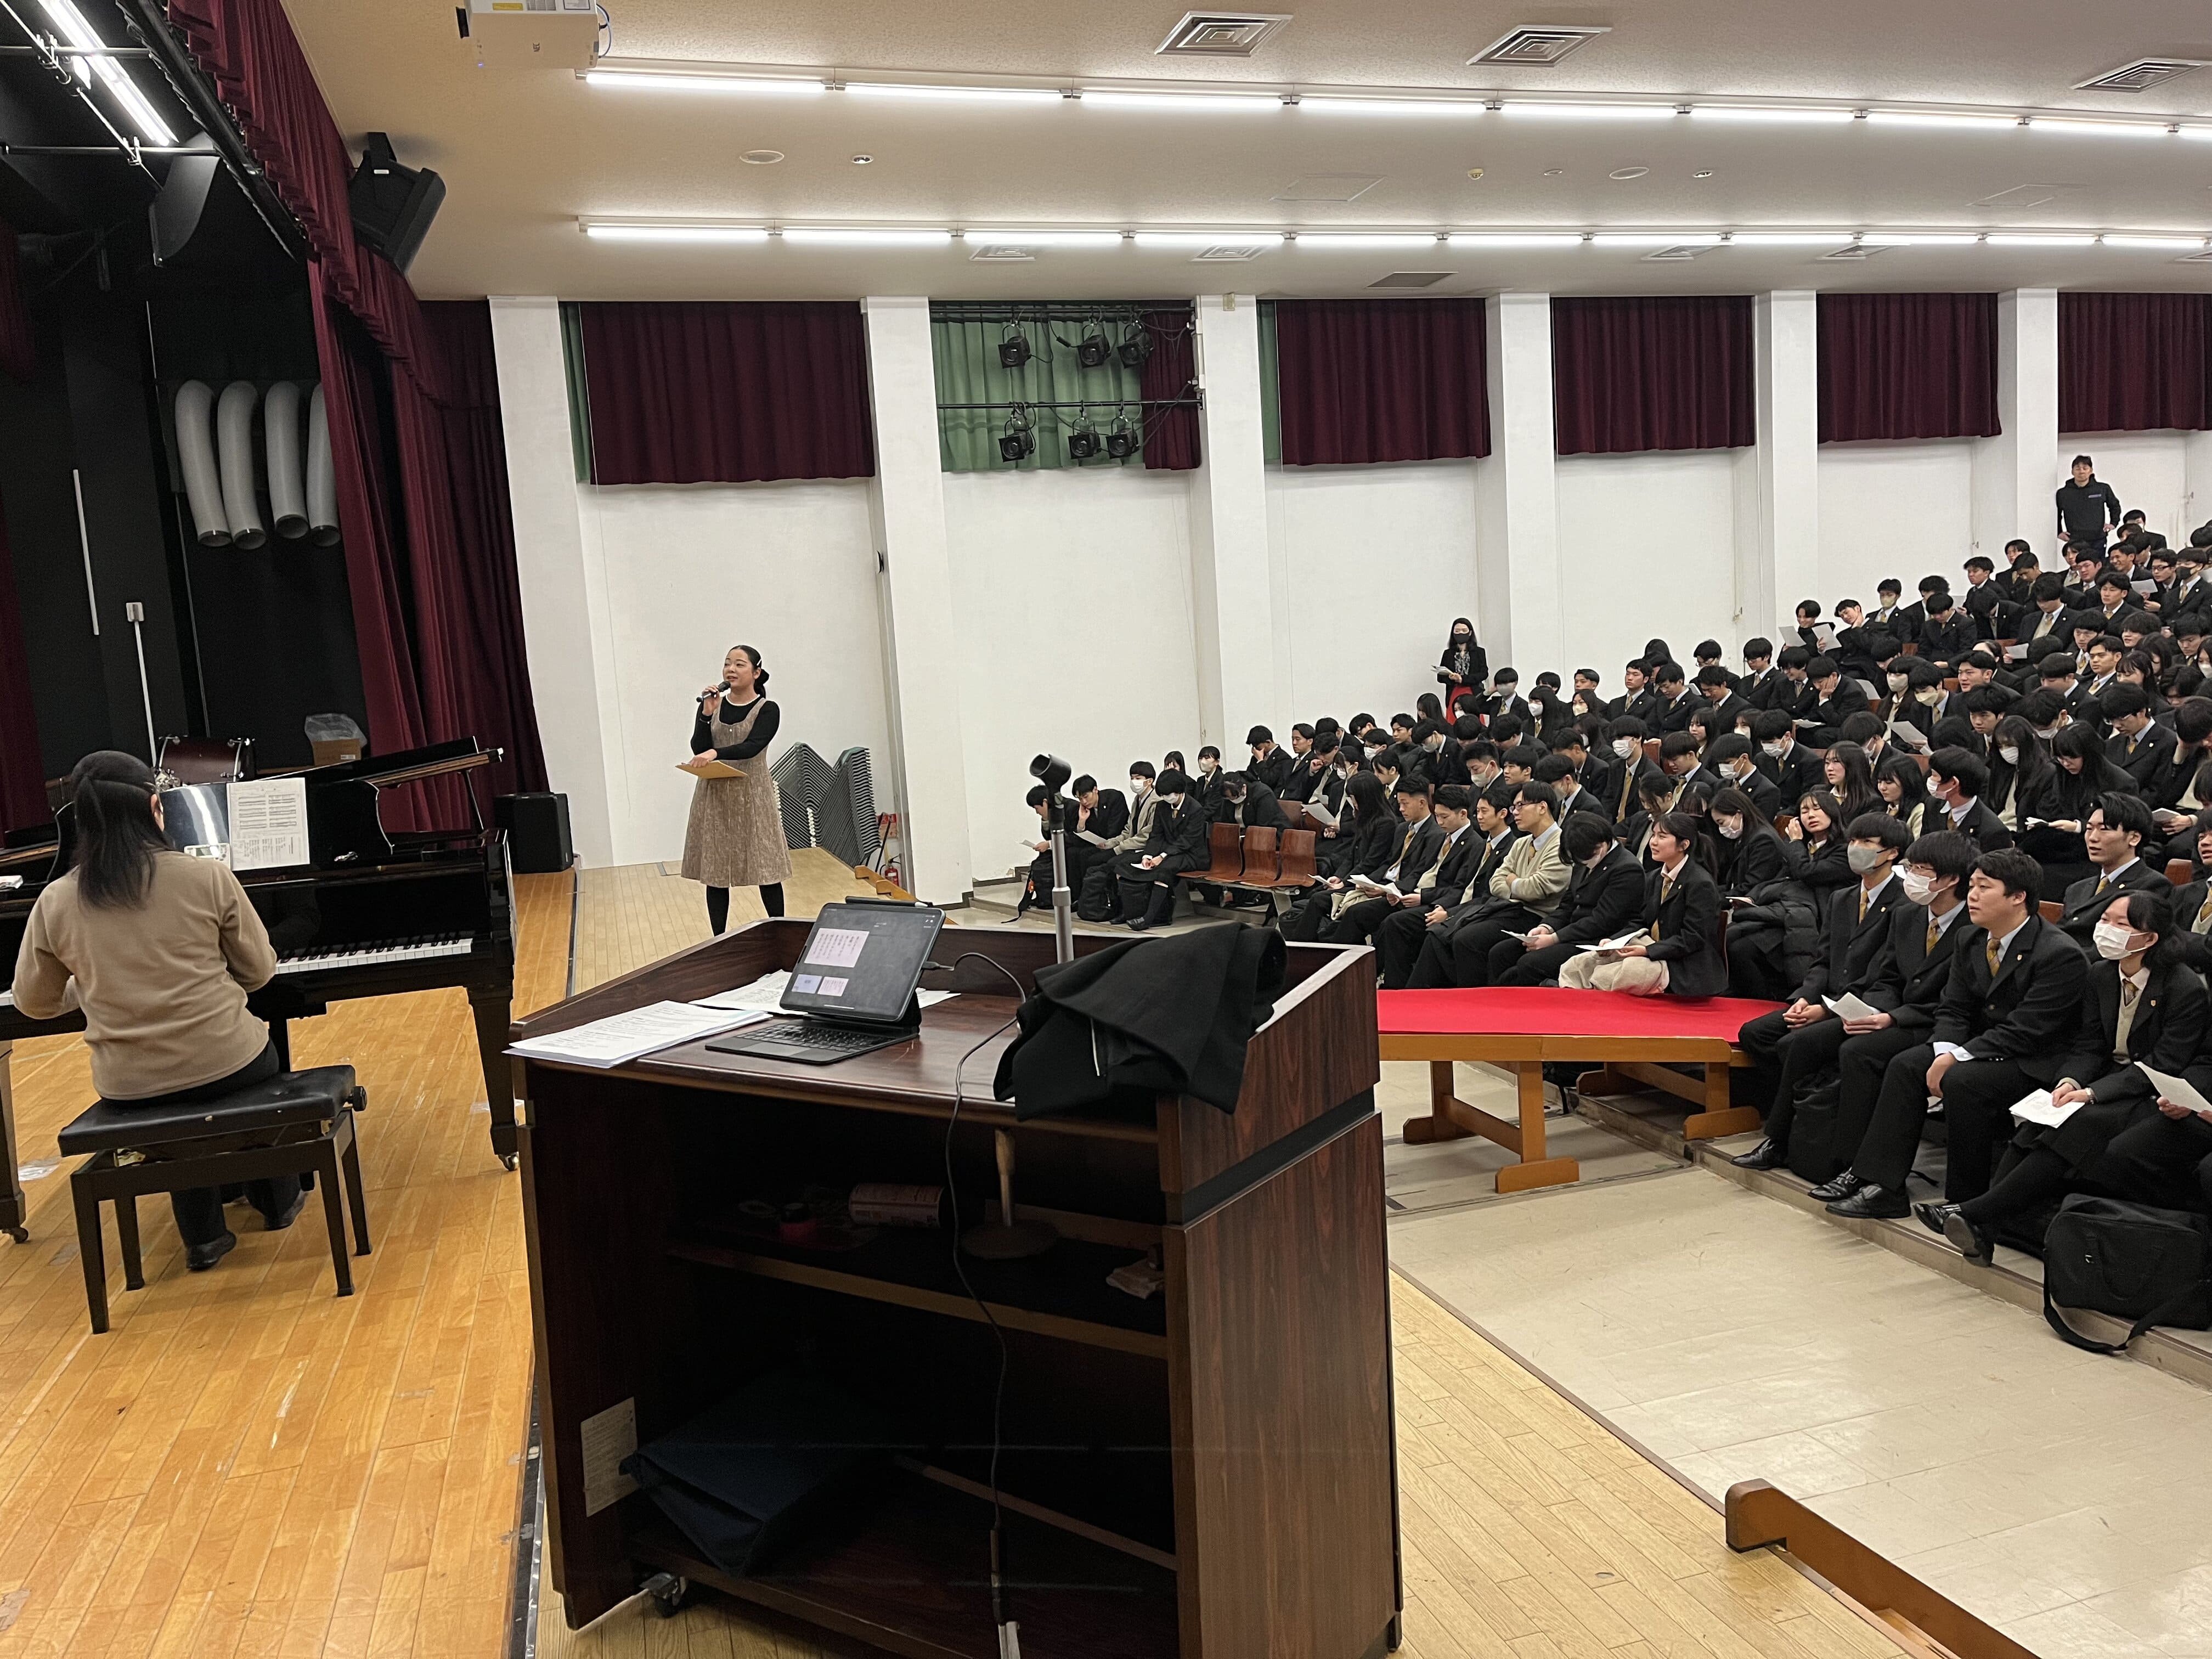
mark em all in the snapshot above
pixel 1111 1030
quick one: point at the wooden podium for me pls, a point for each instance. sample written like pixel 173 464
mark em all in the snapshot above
pixel 1209 1472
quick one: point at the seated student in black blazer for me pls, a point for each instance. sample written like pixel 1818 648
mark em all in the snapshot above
pixel 1674 703
pixel 1604 897
pixel 1150 875
pixel 1440 871
pixel 1245 800
pixel 2010 1004
pixel 1439 755
pixel 1791 765
pixel 1427 938
pixel 1731 760
pixel 1955 783
pixel 1414 856
pixel 1760 678
pixel 1838 699
pixel 1678 759
pixel 1681 954
pixel 1624 738
pixel 2117 830
pixel 1103 812
pixel 2192 902
pixel 1637 695
pixel 1904 987
pixel 2143 1003
pixel 1802 1040
pixel 1750 850
pixel 1716 687
pixel 1205 782
pixel 1558 772
pixel 1505 700
pixel 1947 633
pixel 1591 771
pixel 2147 751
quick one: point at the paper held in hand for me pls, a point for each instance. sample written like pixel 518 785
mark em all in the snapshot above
pixel 709 768
pixel 1605 945
pixel 2175 1089
pixel 1386 889
pixel 2038 1109
pixel 1908 734
pixel 1848 1007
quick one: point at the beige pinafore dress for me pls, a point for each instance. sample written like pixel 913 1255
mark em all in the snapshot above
pixel 735 837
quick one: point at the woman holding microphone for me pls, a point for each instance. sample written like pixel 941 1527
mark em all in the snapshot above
pixel 735 837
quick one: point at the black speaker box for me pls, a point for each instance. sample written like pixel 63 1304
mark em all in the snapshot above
pixel 536 827
pixel 393 205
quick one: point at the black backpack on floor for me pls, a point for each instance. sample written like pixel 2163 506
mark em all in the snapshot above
pixel 2147 1266
pixel 1814 1154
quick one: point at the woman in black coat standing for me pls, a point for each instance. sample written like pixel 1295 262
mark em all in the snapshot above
pixel 1463 670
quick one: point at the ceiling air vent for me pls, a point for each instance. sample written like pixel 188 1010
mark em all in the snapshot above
pixel 1221 33
pixel 1224 253
pixel 1856 251
pixel 2204 258
pixel 999 254
pixel 1537 46
pixel 2145 72
pixel 1681 251
pixel 1412 279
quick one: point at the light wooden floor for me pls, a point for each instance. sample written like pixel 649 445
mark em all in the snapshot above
pixel 634 914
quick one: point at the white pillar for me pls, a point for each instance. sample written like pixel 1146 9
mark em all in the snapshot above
pixel 564 619
pixel 929 767
pixel 1242 677
pixel 1778 551
pixel 2017 473
pixel 1516 497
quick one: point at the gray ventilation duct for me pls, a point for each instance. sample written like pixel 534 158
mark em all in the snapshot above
pixel 322 478
pixel 234 434
pixel 196 459
pixel 288 482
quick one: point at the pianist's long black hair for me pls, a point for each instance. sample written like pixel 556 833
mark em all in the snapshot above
pixel 111 796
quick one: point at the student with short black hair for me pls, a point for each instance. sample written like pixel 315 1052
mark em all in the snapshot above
pixel 1837 700
pixel 1148 876
pixel 2140 746
pixel 2118 830
pixel 1604 895
pixel 1955 783
pixel 2086 506
pixel 1672 710
pixel 1680 952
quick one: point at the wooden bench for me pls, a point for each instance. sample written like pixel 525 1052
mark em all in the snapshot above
pixel 1631 1040
pixel 1276 864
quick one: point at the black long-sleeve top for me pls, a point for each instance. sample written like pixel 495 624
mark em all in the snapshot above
pixel 764 732
pixel 2082 509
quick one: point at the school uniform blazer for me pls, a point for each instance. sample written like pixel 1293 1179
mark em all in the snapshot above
pixel 1948 639
pixel 2151 763
pixel 1603 903
pixel 1674 716
pixel 1474 897
pixel 2167 1031
pixel 1450 873
pixel 2027 1012
pixel 1413 854
pixel 1260 809
pixel 1980 825
pixel 1854 946
pixel 1623 799
pixel 1909 979
pixel 1687 927
pixel 1832 711
pixel 1729 709
pixel 1752 861
pixel 1111 817
pixel 1274 771
pixel 1181 834
pixel 1600 776
pixel 1766 798
pixel 2085 905
pixel 1304 780
pixel 1793 774
pixel 2196 948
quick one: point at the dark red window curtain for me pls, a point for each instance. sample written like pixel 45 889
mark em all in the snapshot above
pixel 422 492
pixel 727 392
pixel 1170 435
pixel 2135 362
pixel 1908 366
pixel 1672 372
pixel 1364 380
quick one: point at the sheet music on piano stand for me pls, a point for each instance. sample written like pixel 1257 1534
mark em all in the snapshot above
pixel 268 824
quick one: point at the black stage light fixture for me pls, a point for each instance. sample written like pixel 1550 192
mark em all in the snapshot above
pixel 1095 349
pixel 1016 443
pixel 1013 347
pixel 1083 442
pixel 1136 346
pixel 1121 439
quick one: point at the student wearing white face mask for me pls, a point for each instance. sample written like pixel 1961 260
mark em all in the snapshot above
pixel 1752 852
pixel 1624 737
pixel 2142 1004
pixel 1100 900
pixel 1729 759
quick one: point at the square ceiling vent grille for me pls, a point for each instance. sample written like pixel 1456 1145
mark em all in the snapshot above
pixel 1538 46
pixel 2142 73
pixel 1411 279
pixel 1221 33
pixel 1227 254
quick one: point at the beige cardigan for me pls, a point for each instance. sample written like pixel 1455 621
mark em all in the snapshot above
pixel 162 983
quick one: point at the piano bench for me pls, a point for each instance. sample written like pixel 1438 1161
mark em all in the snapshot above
pixel 297 1123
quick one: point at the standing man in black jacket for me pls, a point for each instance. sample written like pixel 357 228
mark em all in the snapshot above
pixel 2010 1007
pixel 2088 508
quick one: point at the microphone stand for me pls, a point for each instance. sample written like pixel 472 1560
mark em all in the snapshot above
pixel 1063 910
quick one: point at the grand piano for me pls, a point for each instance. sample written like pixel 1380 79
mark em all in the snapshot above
pixel 374 913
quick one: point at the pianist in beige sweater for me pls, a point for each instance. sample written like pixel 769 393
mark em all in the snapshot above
pixel 158 949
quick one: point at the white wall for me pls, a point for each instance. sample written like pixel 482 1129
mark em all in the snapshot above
pixel 691 570
pixel 1894 509
pixel 1648 546
pixel 1409 529
pixel 1076 633
pixel 2147 469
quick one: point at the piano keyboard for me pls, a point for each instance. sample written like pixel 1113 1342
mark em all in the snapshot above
pixel 363 955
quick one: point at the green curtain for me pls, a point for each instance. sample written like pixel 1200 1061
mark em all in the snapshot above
pixel 968 372
pixel 579 402
pixel 1271 392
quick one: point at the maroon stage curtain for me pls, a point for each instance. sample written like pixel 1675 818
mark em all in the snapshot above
pixel 19 352
pixel 1908 366
pixel 1364 380
pixel 1170 435
pixel 22 767
pixel 727 392
pixel 2135 362
pixel 1672 372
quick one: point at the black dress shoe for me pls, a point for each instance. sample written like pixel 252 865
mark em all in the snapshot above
pixel 1872 1204
pixel 1139 925
pixel 198 1258
pixel 1842 1186
pixel 1769 1154
pixel 277 1223
pixel 1952 1222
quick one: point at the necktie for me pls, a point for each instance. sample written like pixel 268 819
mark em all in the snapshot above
pixel 2103 882
pixel 1991 951
pixel 1864 896
pixel 2129 995
pixel 1934 933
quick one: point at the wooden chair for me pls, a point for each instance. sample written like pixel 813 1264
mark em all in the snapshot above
pixel 1652 750
pixel 2181 872
pixel 1226 844
pixel 1262 860
pixel 2050 910
pixel 1297 865
pixel 1951 684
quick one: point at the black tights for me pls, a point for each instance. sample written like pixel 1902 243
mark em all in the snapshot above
pixel 718 903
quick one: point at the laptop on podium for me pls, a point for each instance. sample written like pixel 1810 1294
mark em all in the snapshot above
pixel 853 990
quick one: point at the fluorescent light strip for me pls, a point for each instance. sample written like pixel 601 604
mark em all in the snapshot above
pixel 1216 102
pixel 2178 242
pixel 1770 113
pixel 1325 239
pixel 1656 238
pixel 2097 129
pixel 1789 238
pixel 2039 239
pixel 868 238
pixel 600 232
pixel 1515 239
pixel 956 94
pixel 1041 238
pixel 81 34
pixel 1209 238
pixel 1903 117
pixel 1918 238
pixel 1328 104
pixel 2197 132
pixel 758 86
pixel 1538 111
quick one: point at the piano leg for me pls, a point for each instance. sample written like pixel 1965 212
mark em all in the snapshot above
pixel 495 1012
pixel 15 1210
pixel 280 1033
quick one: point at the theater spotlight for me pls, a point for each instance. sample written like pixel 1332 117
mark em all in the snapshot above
pixel 1121 439
pixel 1013 347
pixel 1095 348
pixel 1016 443
pixel 1136 346
pixel 1082 442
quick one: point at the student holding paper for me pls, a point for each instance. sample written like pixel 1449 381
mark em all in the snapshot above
pixel 1604 897
pixel 1529 886
pixel 1681 955
pixel 2145 1007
